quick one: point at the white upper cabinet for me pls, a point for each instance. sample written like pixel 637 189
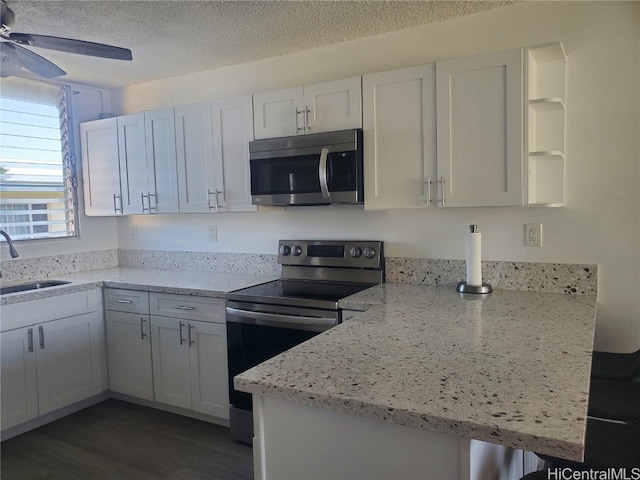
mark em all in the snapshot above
pixel 194 153
pixel 162 175
pixel 129 164
pixel 480 130
pixel 212 144
pixel 232 132
pixel 100 167
pixel 323 107
pixel 133 162
pixel 332 106
pixel 399 129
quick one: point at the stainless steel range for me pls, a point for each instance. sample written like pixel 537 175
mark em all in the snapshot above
pixel 268 319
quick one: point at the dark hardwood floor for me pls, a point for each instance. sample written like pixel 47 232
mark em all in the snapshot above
pixel 116 440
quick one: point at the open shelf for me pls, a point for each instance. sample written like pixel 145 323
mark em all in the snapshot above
pixel 546 121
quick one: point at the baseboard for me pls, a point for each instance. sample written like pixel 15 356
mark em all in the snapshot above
pixel 106 395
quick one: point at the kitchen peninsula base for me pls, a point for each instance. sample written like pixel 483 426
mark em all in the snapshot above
pixel 296 441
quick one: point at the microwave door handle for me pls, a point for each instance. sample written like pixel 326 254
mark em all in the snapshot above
pixel 322 172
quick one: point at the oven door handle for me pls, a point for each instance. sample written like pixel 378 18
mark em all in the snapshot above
pixel 276 319
pixel 323 174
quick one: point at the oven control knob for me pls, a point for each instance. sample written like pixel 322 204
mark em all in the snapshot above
pixel 355 252
pixel 285 250
pixel 296 250
pixel 369 252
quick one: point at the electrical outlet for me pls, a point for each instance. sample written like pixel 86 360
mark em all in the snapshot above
pixel 213 233
pixel 134 231
pixel 532 234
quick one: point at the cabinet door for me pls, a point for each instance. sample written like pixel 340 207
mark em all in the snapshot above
pixel 170 355
pixel 194 152
pixel 333 105
pixel 129 354
pixel 100 168
pixel 480 119
pixel 279 113
pixel 19 387
pixel 69 355
pixel 232 132
pixel 133 162
pixel 208 355
pixel 162 173
pixel 399 120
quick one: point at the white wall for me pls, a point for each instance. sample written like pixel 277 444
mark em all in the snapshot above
pixel 600 223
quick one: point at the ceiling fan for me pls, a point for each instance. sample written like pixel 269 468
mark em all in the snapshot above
pixel 13 55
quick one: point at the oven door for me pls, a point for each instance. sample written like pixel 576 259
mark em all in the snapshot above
pixel 256 333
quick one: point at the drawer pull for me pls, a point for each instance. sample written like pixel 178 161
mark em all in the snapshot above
pixel 184 307
pixel 119 300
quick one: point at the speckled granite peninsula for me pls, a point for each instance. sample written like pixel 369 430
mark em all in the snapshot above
pixel 510 368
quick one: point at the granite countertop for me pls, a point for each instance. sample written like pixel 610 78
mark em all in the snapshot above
pixel 210 284
pixel 510 367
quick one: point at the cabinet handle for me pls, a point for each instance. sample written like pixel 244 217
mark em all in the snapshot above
pixel 181 337
pixel 209 193
pixel 142 334
pixel 30 339
pixel 115 206
pixel 155 202
pixel 184 307
pixel 428 182
pixel 306 118
pixel 298 112
pixel 119 300
pixel 442 184
pixel 191 342
pixel 41 335
pixel 145 209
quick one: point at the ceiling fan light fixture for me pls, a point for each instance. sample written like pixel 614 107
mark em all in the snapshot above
pixel 9 61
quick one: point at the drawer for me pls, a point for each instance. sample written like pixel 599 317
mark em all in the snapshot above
pixel 207 309
pixel 131 301
pixel 24 314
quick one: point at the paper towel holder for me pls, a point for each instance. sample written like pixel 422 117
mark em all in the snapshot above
pixel 464 288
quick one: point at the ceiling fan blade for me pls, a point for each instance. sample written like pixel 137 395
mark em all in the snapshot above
pixel 37 64
pixel 71 46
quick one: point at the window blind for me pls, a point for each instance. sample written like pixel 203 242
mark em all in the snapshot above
pixel 37 171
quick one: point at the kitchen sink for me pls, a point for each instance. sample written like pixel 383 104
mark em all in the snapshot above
pixel 25 287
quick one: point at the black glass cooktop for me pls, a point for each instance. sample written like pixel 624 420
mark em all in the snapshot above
pixel 302 293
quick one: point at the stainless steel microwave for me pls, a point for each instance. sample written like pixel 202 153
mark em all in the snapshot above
pixel 317 169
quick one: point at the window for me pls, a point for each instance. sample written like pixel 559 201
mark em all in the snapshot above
pixel 37 168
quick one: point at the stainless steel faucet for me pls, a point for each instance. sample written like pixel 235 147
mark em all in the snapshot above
pixel 12 250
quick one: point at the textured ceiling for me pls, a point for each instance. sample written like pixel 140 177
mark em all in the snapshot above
pixel 171 38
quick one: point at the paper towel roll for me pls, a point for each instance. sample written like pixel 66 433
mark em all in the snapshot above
pixel 474 257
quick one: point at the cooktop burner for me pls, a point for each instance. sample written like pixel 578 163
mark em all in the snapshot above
pixel 302 293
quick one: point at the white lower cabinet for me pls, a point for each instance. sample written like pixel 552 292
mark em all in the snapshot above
pixel 55 360
pixel 129 353
pixel 129 342
pixel 189 352
pixel 19 378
